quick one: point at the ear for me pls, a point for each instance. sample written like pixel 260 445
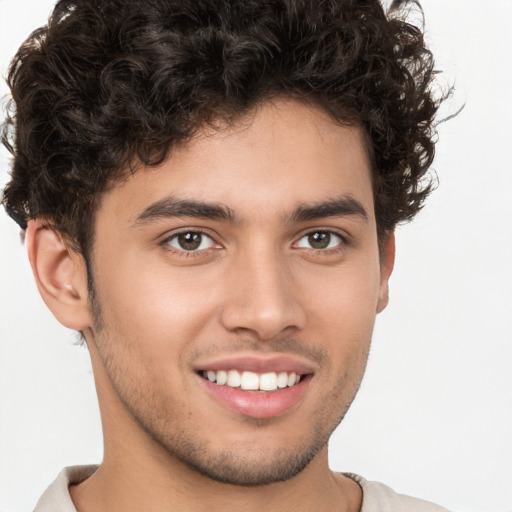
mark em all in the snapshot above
pixel 387 261
pixel 60 275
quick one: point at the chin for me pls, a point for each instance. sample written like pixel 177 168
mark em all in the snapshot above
pixel 249 470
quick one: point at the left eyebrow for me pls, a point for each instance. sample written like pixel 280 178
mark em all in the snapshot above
pixel 337 207
pixel 172 207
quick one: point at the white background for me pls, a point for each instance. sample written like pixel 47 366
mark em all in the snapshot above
pixel 434 415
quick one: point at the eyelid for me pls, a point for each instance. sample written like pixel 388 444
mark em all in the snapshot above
pixel 179 231
pixel 342 235
pixel 344 238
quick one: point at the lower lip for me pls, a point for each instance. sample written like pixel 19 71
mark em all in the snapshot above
pixel 258 404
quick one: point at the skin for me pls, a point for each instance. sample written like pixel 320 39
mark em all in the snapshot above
pixel 256 287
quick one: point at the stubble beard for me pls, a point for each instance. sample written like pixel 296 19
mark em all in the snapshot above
pixel 238 465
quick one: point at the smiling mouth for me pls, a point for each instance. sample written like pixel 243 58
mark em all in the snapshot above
pixel 251 381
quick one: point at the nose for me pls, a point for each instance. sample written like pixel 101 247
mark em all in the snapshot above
pixel 263 297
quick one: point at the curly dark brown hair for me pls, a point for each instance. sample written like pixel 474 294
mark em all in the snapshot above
pixel 108 85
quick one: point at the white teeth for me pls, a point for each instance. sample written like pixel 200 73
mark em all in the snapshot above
pixel 252 381
pixel 233 379
pixel 268 381
pixel 282 380
pixel 222 377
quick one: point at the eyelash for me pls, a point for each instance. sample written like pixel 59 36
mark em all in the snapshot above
pixel 328 250
pixel 166 243
pixel 197 253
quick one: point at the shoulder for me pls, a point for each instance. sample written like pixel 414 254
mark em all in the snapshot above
pixel 378 497
pixel 56 498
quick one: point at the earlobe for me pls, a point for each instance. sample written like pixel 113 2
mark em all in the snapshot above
pixel 60 275
pixel 387 262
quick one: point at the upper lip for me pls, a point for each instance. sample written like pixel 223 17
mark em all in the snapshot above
pixel 258 364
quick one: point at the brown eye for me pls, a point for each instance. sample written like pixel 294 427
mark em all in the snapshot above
pixel 190 241
pixel 320 240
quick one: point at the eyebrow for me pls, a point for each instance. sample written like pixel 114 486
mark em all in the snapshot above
pixel 172 207
pixel 337 207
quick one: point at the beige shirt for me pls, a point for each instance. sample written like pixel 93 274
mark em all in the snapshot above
pixel 376 497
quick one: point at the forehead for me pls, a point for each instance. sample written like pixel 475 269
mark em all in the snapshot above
pixel 281 155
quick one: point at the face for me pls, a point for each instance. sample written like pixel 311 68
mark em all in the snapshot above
pixel 236 288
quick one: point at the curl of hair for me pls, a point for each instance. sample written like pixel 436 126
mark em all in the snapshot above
pixel 108 85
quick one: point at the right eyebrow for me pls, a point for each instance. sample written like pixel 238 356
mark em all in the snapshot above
pixel 172 207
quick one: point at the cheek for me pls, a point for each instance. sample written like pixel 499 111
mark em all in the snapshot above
pixel 345 298
pixel 155 303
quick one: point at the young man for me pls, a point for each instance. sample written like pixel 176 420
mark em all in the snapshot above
pixel 209 192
